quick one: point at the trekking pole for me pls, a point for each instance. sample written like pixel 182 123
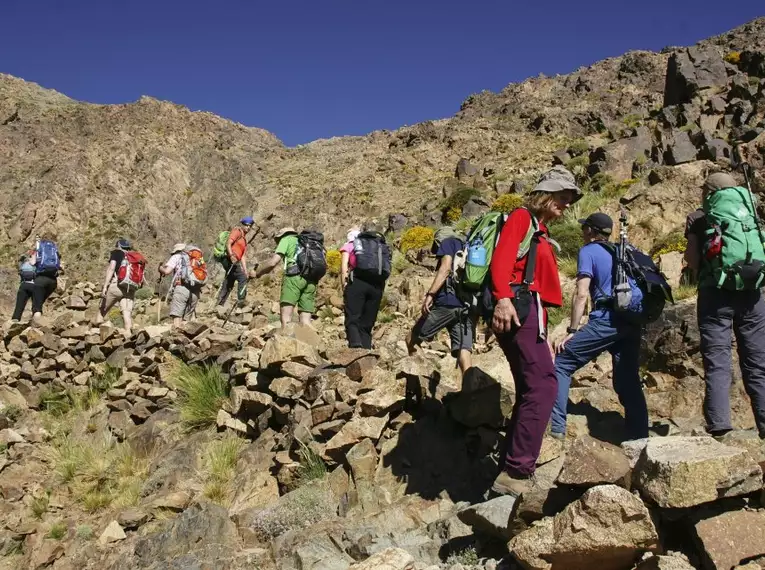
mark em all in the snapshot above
pixel 159 301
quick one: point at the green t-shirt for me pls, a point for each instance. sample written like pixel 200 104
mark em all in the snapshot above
pixel 287 248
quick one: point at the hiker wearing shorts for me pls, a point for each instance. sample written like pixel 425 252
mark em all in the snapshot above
pixel 235 263
pixel 296 291
pixel 183 303
pixel 112 293
pixel 605 330
pixel 725 308
pixel 442 309
pixel 522 293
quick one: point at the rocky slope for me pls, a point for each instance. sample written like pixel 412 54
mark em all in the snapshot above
pixel 303 454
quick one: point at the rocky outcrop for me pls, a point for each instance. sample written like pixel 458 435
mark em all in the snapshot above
pixel 608 528
pixel 731 538
pixel 689 471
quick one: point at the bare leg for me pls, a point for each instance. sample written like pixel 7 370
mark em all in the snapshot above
pixel 286 315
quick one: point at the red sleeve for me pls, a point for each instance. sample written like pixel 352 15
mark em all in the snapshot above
pixel 504 258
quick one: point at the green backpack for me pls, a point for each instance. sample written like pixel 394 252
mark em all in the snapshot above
pixel 734 256
pixel 219 249
pixel 481 241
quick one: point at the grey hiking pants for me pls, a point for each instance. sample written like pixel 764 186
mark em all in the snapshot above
pixel 718 313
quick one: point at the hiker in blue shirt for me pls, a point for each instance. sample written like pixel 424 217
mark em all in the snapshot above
pixel 604 331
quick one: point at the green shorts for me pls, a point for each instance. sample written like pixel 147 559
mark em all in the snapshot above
pixel 297 291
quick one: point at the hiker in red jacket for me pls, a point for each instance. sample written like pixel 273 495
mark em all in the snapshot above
pixel 520 322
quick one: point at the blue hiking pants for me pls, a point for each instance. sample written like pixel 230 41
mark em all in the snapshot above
pixel 623 342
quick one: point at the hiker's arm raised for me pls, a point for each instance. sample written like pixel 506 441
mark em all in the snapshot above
pixel 578 305
pixel 269 265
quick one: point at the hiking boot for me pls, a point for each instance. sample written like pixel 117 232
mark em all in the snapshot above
pixel 557 435
pixel 513 485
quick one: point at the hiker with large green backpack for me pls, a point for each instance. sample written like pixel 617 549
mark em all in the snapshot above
pixel 725 250
pixel 305 262
pixel 442 307
pixel 231 251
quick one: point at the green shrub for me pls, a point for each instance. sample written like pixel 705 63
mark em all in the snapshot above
pixel 632 120
pixel 578 147
pixel 600 181
pixel 673 241
pixel 569 236
pixel 12 412
pixel 399 262
pixel 312 466
pixel 57 531
pixel 39 505
pixel 219 462
pixel 56 401
pixel 466 557
pixel 459 197
pixel 418 237
pixel 84 532
pixel 144 293
pixel 463 226
pixel 202 390
pixel 506 203
pixel 298 509
pixel 334 260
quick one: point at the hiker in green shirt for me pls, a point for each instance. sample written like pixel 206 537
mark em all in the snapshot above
pixel 296 290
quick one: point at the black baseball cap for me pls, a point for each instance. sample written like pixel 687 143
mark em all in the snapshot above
pixel 599 222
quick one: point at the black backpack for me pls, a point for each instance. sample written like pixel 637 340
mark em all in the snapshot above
pixel 311 256
pixel 373 257
pixel 649 290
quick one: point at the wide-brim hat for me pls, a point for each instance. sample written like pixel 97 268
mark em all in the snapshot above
pixel 284 231
pixel 178 247
pixel 554 185
pixel 718 181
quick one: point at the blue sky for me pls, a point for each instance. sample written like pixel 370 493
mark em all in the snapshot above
pixel 315 69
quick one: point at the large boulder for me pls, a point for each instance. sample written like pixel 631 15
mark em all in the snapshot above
pixel 491 517
pixel 691 70
pixel 608 529
pixel 280 349
pixel 591 462
pixel 483 400
pixel 728 539
pixel 687 471
pixel 680 149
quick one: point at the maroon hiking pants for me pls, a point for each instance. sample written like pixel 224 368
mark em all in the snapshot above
pixel 535 391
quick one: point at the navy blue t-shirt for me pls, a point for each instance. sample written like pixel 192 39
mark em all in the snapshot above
pixel 597 263
pixel 450 246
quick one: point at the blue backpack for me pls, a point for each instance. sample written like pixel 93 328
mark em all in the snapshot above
pixel 48 259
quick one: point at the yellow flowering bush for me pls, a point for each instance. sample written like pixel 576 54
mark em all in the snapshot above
pixel 334 259
pixel 453 214
pixel 507 203
pixel 418 237
pixel 674 241
pixel 733 57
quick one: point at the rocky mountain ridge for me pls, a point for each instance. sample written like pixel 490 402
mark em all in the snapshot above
pixel 158 173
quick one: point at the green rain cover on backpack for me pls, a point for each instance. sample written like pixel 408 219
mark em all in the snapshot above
pixel 481 241
pixel 219 249
pixel 734 257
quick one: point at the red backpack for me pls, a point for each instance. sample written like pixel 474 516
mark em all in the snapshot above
pixel 130 271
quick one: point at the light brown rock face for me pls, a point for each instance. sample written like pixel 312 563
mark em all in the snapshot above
pixel 731 538
pixel 281 349
pixel 607 529
pixel 590 462
pixel 688 471
pixel 388 559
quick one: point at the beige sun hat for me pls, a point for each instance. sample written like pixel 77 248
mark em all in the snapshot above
pixel 178 247
pixel 284 231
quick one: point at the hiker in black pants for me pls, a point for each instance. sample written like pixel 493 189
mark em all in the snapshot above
pixel 27 285
pixel 363 289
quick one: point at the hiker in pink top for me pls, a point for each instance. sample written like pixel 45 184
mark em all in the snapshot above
pixel 348 260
